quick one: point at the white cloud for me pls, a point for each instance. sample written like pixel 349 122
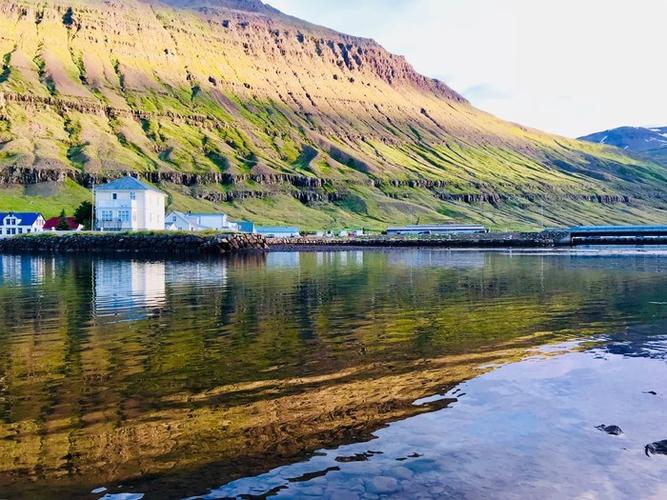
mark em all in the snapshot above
pixel 566 66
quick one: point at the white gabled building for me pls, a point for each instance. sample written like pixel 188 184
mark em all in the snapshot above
pixel 13 223
pixel 188 221
pixel 129 204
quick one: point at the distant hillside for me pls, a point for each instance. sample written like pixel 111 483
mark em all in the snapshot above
pixel 650 143
pixel 230 105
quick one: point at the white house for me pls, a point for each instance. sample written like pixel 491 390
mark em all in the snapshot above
pixel 13 223
pixel 129 204
pixel 188 221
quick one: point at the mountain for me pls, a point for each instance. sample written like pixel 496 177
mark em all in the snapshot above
pixel 231 105
pixel 649 143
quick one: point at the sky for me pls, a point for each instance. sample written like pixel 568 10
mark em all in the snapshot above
pixel 570 67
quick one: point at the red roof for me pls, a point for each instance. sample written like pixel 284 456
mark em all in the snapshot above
pixel 53 222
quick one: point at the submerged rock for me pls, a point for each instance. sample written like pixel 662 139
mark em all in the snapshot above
pixel 614 430
pixel 359 457
pixel 657 448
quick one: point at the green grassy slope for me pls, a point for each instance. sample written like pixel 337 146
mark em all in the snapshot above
pixel 270 118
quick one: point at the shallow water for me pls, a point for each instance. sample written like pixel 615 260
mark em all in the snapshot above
pixel 347 374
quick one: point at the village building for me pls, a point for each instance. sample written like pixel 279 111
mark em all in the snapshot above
pixel 436 229
pixel 13 223
pixel 247 227
pixel 129 204
pixel 188 221
pixel 53 224
pixel 278 232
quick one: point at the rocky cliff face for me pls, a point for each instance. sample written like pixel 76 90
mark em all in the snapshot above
pixel 242 5
pixel 249 104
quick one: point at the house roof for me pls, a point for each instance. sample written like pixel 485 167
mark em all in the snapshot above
pixel 203 214
pixel 179 215
pixel 128 183
pixel 53 222
pixel 26 218
pixel 277 229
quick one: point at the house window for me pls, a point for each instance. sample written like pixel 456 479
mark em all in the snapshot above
pixel 27 230
pixel 133 196
pixel 114 196
pixel 106 215
pixel 124 215
pixel 20 230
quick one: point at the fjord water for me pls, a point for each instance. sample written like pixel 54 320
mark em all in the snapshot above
pixel 342 375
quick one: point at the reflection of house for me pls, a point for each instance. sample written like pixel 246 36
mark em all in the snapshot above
pixel 125 289
pixel 283 259
pixel 188 221
pixel 13 223
pixel 54 222
pixel 208 274
pixel 437 259
pixel 128 204
pixel 23 269
pixel 278 232
pixel 354 258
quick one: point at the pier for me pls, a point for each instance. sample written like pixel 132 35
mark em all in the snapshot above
pixel 616 235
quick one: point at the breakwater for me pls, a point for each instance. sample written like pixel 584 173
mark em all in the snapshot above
pixel 174 243
pixel 544 239
pixel 136 243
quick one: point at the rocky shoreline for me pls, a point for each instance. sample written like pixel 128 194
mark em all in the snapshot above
pixel 139 243
pixel 170 243
pixel 545 239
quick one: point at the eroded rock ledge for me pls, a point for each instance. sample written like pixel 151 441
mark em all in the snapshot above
pixel 304 188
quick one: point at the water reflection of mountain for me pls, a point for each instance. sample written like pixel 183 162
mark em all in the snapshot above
pixel 645 261
pixel 127 290
pixel 640 341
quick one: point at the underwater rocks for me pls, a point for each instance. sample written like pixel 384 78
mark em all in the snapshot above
pixel 657 448
pixel 614 430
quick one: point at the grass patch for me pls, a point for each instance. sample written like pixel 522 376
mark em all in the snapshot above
pixel 47 198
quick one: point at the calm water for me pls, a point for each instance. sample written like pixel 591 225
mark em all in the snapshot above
pixel 345 375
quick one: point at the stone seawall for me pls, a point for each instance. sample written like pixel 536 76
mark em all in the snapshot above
pixel 545 239
pixel 140 243
pixel 171 243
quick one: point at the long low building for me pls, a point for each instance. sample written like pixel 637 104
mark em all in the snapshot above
pixel 188 221
pixel 436 229
pixel 278 232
